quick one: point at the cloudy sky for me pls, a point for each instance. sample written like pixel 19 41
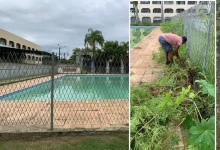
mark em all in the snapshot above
pixel 52 22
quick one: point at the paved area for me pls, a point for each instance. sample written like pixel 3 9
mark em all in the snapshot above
pixel 143 67
pixel 18 116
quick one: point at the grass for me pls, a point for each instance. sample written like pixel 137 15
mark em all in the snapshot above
pixel 82 142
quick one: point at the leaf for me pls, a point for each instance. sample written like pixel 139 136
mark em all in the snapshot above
pixel 207 88
pixel 191 95
pixel 203 134
pixel 167 101
pixel 179 99
pixel 188 122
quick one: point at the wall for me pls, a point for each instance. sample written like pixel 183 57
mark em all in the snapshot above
pixel 12 70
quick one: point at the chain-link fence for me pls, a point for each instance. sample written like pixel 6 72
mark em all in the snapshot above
pixel 199 28
pixel 40 92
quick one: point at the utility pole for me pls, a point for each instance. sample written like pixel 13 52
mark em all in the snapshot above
pixel 162 12
pixel 60 49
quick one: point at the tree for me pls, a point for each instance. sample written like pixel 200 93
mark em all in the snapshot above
pixel 135 5
pixel 124 55
pixel 116 53
pixel 93 38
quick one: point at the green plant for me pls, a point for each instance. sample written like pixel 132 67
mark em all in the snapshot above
pixel 203 135
pixel 207 88
pixel 188 122
pixel 169 101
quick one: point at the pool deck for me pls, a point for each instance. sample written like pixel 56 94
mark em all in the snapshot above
pixel 143 67
pixel 34 116
pixel 31 116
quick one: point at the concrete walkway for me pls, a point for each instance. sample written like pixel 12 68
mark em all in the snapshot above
pixel 143 67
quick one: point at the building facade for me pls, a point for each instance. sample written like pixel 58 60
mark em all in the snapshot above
pixel 151 11
pixel 8 39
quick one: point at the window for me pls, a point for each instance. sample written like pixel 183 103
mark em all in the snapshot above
pixel 180 2
pixel 36 58
pixel 204 2
pixel 39 59
pixel 145 10
pixel 132 10
pixel 146 19
pixel 157 20
pixel 168 10
pixel 11 44
pixel 18 45
pixel 32 57
pixel 33 49
pixel 23 47
pixel 132 2
pixel 29 57
pixel 156 10
pixel 180 10
pixel 156 2
pixel 133 19
pixel 145 2
pixel 3 41
pixel 23 56
pixel 29 48
pixel 168 2
pixel 192 2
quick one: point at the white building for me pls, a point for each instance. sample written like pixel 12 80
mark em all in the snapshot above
pixel 150 11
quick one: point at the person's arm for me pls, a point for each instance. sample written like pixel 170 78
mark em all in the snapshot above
pixel 176 51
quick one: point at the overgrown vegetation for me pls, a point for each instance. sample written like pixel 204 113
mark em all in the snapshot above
pixel 183 97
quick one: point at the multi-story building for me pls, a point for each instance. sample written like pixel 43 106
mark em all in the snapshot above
pixel 8 39
pixel 151 11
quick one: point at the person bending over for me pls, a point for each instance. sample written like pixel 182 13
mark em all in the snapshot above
pixel 170 41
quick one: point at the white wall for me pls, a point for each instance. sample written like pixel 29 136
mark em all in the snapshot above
pixel 15 70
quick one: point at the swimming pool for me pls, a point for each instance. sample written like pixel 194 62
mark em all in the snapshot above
pixel 77 87
pixel 138 33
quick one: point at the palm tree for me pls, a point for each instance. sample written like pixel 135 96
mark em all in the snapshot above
pixel 110 52
pixel 124 54
pixel 93 39
pixel 135 5
pixel 117 53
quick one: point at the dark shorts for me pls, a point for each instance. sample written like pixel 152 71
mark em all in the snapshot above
pixel 166 46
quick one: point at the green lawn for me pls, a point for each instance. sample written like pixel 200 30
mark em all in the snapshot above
pixel 80 142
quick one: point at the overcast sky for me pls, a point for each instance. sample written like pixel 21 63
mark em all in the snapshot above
pixel 51 22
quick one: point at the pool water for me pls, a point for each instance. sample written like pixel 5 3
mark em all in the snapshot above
pixel 77 87
pixel 138 33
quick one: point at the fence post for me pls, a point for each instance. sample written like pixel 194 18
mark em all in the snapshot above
pixel 52 92
pixel 208 39
pixel 189 30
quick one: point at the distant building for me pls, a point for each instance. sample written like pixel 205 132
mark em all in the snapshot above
pixel 151 11
pixel 8 39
